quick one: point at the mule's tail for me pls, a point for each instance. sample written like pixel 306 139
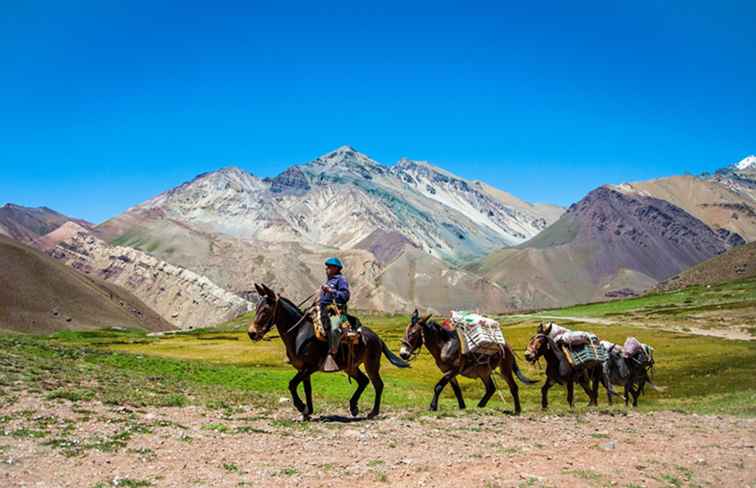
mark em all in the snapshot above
pixel 518 372
pixel 393 358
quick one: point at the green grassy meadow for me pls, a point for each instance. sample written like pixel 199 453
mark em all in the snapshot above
pixel 222 368
pixel 701 306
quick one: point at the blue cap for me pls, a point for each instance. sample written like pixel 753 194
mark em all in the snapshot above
pixel 334 262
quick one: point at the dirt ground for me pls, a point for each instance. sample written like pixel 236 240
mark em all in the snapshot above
pixel 87 444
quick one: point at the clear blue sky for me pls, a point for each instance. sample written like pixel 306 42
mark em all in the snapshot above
pixel 104 104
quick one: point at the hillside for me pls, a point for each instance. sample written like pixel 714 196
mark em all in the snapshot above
pixel 182 297
pixel 28 224
pixel 613 240
pixel 717 205
pixel 737 263
pixel 39 295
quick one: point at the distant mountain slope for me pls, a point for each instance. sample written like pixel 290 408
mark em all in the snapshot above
pixel 342 198
pixel 181 297
pixel 737 263
pixel 613 239
pixel 236 228
pixel 715 204
pixel 41 295
pixel 739 177
pixel 27 224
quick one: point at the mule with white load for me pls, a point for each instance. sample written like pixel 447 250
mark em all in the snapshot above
pixel 629 366
pixel 469 345
pixel 571 357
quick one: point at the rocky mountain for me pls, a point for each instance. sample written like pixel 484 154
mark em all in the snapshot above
pixel 183 298
pixel 739 177
pixel 41 295
pixel 27 224
pixel 615 240
pixel 236 228
pixel 343 199
pixel 723 200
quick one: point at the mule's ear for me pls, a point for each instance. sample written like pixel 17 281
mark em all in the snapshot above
pixel 259 290
pixel 427 318
pixel 268 292
pixel 415 314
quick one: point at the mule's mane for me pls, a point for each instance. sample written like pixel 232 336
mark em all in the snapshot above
pixel 290 306
pixel 436 327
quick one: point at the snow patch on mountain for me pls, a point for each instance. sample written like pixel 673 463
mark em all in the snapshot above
pixel 746 163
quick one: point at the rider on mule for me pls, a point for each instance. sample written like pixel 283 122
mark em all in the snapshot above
pixel 335 291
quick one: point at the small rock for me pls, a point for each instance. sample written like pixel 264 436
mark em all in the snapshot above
pixel 609 446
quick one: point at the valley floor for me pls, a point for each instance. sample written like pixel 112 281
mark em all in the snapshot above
pixel 88 444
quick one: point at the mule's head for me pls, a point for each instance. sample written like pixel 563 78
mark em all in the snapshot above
pixel 265 313
pixel 536 347
pixel 413 335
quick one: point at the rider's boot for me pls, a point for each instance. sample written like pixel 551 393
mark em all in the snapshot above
pixel 334 338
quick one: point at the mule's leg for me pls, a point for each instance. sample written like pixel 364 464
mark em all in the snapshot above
pixel 293 385
pixel 362 382
pixel 447 377
pixel 457 393
pixel 636 393
pixel 609 397
pixel 373 368
pixel 514 390
pixel 608 386
pixel 308 395
pixel 628 389
pixel 545 393
pixel 571 393
pixel 490 390
pixel 598 374
pixel 585 384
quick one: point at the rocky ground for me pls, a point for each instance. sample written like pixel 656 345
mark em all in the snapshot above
pixel 74 443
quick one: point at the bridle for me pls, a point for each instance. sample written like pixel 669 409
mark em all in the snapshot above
pixel 538 354
pixel 272 321
pixel 414 351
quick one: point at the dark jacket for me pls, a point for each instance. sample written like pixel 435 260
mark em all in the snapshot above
pixel 340 294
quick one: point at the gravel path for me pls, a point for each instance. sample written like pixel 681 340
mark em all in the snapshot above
pixel 89 444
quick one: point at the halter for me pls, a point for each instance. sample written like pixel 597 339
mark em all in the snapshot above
pixel 414 352
pixel 272 322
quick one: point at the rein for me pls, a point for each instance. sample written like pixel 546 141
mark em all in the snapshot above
pixel 415 352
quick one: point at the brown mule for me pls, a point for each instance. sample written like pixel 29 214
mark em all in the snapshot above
pixel 307 354
pixel 559 370
pixel 445 348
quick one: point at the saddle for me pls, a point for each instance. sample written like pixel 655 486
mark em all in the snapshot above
pixel 349 328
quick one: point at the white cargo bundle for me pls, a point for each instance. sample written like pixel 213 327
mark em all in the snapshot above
pixel 481 334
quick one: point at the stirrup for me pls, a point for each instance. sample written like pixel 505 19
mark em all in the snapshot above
pixel 330 366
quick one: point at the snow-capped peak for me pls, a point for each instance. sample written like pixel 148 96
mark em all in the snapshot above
pixel 749 162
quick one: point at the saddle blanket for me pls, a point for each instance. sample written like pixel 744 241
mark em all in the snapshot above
pixel 582 354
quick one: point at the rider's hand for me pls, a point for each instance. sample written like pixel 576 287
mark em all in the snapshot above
pixel 326 289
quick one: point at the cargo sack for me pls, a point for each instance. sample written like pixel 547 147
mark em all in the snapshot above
pixel 575 338
pixel 479 334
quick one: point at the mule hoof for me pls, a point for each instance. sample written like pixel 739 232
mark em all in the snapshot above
pixel 354 410
pixel 373 414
